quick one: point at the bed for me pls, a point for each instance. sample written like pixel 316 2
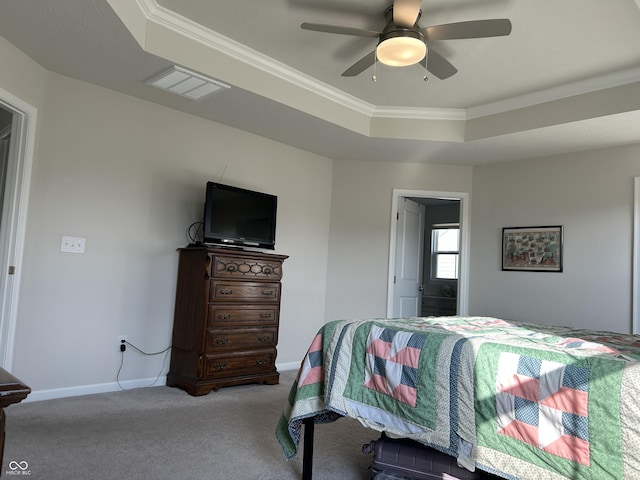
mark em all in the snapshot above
pixel 518 400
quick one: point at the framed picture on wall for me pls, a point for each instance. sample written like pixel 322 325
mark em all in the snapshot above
pixel 532 249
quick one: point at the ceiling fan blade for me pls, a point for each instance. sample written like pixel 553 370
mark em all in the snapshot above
pixel 361 65
pixel 405 12
pixel 472 29
pixel 438 65
pixel 320 27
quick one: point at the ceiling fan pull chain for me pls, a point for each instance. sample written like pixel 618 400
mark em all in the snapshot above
pixel 375 64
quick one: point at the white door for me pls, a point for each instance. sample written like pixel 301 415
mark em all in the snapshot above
pixel 407 293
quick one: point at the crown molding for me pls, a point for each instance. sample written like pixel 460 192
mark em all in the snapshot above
pixel 148 7
pixel 198 33
pixel 419 113
pixel 594 84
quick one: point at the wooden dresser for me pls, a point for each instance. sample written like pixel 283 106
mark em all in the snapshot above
pixel 225 328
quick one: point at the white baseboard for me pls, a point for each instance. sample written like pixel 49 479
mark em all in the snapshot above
pixel 288 366
pixel 53 393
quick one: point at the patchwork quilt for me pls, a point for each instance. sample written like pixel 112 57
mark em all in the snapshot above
pixel 520 400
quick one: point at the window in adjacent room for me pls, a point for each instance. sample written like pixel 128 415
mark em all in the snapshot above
pixel 445 251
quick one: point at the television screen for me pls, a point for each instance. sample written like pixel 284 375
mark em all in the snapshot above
pixel 236 216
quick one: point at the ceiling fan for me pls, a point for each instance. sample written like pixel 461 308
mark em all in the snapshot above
pixel 403 42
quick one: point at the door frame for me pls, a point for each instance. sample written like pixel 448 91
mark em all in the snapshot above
pixel 463 280
pixel 14 216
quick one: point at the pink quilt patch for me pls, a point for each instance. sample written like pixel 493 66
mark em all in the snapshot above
pixel 392 359
pixel 544 404
pixel 311 370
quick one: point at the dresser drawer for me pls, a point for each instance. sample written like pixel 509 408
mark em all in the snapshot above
pixel 244 291
pixel 225 315
pixel 219 340
pixel 255 361
pixel 245 267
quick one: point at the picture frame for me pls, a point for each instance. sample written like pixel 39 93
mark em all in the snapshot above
pixel 532 249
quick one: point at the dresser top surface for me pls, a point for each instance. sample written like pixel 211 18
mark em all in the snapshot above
pixel 234 251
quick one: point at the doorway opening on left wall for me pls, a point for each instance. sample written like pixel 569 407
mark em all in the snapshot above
pixel 17 141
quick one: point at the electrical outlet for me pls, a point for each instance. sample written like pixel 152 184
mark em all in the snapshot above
pixel 72 244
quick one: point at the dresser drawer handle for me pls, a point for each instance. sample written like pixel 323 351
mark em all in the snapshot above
pixel 224 316
pixel 219 366
pixel 264 339
pixel 267 270
pixel 222 341
pixel 226 291
pixel 231 268
pixel 261 362
pixel 268 293
pixel 265 315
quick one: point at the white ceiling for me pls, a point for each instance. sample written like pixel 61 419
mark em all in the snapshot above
pixel 567 78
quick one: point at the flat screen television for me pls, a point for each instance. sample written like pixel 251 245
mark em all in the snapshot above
pixel 239 217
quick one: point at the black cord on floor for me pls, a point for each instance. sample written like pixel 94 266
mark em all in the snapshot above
pixel 122 352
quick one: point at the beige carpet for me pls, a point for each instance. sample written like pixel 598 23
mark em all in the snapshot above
pixel 163 433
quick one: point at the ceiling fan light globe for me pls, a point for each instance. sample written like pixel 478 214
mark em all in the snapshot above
pixel 401 51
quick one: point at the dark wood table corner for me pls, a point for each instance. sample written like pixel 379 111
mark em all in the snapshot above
pixel 12 390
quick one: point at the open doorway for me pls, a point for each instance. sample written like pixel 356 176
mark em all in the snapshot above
pixel 428 258
pixel 441 257
pixel 17 140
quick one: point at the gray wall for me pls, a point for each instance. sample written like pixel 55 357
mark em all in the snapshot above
pixel 591 195
pixel 361 224
pixel 129 176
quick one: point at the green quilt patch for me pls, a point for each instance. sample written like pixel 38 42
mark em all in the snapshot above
pixel 558 411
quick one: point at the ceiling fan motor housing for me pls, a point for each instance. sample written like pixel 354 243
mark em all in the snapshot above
pixel 400 46
pixel 394 32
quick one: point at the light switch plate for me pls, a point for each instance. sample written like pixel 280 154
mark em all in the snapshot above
pixel 72 244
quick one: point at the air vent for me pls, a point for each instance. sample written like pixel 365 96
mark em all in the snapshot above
pixel 186 83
